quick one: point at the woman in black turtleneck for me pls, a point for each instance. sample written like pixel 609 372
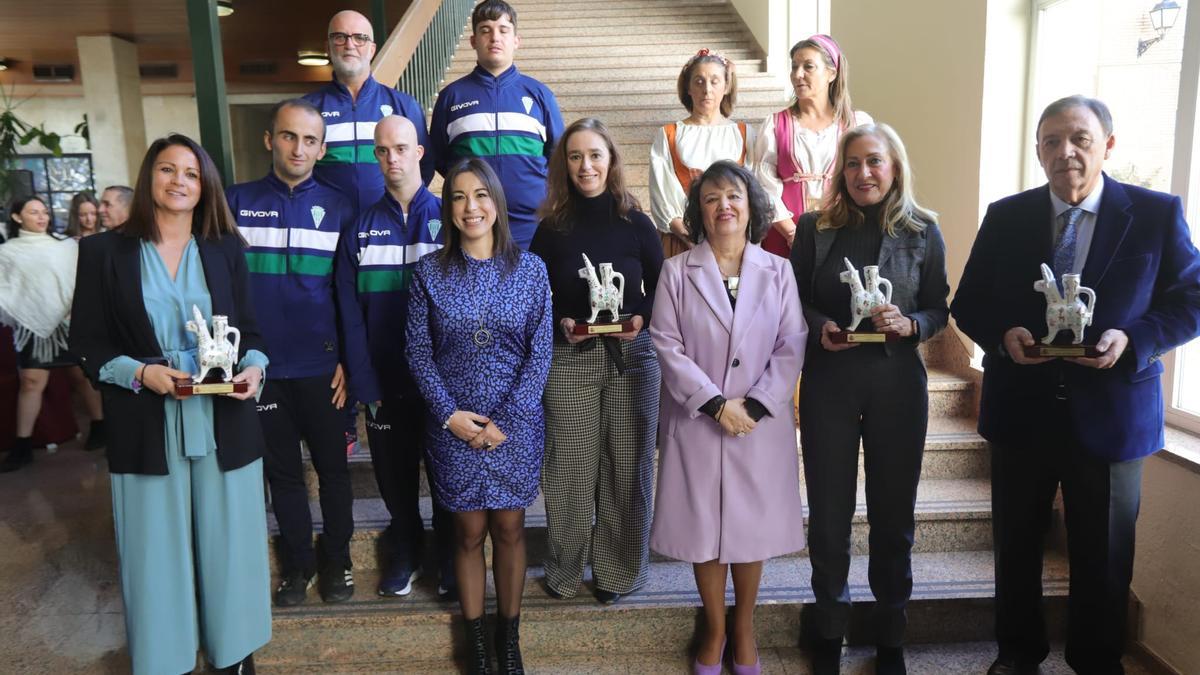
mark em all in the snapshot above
pixel 875 392
pixel 602 396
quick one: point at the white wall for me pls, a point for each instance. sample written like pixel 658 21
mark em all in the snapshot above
pixel 776 25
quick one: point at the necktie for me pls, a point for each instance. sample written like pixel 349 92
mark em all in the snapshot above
pixel 1064 248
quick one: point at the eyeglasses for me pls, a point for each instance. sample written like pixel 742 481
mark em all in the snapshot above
pixel 340 39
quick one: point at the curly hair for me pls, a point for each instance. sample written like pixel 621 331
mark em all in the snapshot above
pixel 561 193
pixel 727 172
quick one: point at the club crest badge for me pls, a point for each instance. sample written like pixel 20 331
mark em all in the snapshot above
pixel 385 109
pixel 318 215
pixel 435 226
pixel 528 102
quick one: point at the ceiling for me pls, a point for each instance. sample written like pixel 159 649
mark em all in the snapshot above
pixel 261 33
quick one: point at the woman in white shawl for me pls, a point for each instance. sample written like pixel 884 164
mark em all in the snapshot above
pixel 35 300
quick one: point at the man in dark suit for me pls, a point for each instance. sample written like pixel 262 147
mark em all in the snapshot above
pixel 1084 423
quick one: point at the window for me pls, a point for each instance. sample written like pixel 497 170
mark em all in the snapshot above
pixel 1140 73
pixel 57 180
pixel 1091 47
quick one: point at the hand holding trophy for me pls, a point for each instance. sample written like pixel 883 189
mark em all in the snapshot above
pixel 216 356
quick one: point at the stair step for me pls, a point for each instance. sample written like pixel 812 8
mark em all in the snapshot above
pixel 595 100
pixel 612 66
pixel 952 602
pixel 569 83
pixel 952 514
pixel 665 14
pixel 677 51
pixel 953 449
pixel 716 27
pixel 727 43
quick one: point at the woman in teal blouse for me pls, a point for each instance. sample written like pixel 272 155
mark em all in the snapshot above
pixel 186 472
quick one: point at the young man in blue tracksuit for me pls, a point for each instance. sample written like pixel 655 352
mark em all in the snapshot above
pixel 375 263
pixel 293 224
pixel 508 119
pixel 352 104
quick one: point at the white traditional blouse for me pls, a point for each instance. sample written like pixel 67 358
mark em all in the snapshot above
pixel 698 147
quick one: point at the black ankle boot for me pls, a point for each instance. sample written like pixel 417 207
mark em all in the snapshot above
pixel 890 661
pixel 826 656
pixel 19 455
pixel 508 646
pixel 97 438
pixel 478 662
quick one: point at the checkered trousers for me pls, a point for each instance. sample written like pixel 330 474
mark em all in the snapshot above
pixel 599 465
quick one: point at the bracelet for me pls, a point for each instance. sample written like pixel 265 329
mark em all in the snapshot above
pixel 137 376
pixel 720 411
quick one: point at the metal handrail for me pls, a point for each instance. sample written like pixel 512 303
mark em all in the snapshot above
pixel 417 54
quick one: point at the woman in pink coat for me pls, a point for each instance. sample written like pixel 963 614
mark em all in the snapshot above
pixel 730 338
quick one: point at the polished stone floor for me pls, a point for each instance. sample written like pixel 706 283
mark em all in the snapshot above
pixel 62 610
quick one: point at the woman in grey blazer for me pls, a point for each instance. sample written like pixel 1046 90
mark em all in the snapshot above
pixel 875 392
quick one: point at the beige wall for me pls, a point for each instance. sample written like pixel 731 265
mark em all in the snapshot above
pixel 776 25
pixel 931 92
pixel 1166 575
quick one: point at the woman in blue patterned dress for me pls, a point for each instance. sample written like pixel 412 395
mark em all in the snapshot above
pixel 479 346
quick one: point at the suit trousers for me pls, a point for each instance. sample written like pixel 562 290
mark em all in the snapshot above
pixel 1101 501
pixel 396 436
pixel 291 410
pixel 862 394
pixel 599 464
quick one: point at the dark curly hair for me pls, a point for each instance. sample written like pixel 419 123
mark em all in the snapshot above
pixel 762 211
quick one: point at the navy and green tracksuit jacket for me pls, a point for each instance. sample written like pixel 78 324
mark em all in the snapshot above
pixel 513 122
pixel 349 163
pixel 293 235
pixel 376 259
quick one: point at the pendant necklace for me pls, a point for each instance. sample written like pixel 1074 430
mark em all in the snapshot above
pixel 482 337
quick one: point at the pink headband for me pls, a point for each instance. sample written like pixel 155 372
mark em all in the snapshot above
pixel 830 47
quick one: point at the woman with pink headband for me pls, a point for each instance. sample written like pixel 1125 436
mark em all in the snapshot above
pixel 797 147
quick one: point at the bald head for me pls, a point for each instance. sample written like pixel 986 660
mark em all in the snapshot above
pixel 398 154
pixel 351 61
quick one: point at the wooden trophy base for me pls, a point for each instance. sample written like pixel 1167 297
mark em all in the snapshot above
pixel 861 337
pixel 184 386
pixel 624 325
pixel 1041 351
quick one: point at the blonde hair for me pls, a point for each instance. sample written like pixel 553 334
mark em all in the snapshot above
pixel 897 211
pixel 839 88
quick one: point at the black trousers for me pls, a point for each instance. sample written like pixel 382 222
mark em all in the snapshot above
pixel 291 410
pixel 862 393
pixel 1101 501
pixel 396 436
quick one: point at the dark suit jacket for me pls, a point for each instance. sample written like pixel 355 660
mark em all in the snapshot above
pixel 915 263
pixel 1146 274
pixel 108 319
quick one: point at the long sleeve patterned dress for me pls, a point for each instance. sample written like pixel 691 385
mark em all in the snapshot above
pixel 502 379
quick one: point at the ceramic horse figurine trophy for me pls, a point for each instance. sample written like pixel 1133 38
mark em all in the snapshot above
pixel 864 298
pixel 605 296
pixel 215 351
pixel 1065 311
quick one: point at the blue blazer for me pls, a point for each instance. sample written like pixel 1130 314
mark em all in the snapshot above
pixel 1146 274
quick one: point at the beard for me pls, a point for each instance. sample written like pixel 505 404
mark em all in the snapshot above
pixel 348 69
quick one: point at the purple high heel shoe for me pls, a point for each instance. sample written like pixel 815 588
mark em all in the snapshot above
pixel 715 669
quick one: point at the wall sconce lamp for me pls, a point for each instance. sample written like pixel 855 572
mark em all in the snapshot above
pixel 308 57
pixel 1162 19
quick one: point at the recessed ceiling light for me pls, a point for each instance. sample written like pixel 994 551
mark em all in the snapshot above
pixel 308 57
pixel 224 7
